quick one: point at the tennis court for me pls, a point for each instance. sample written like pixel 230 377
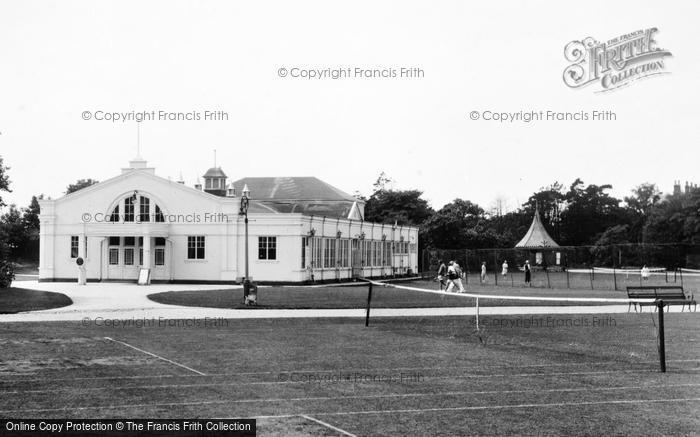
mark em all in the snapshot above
pixel 554 374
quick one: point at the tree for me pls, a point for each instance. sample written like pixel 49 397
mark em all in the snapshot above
pixel 387 205
pixel 458 225
pixel 13 231
pixel 4 181
pixel 80 184
pixel 675 220
pixel 590 210
pixel 550 201
pixel 405 207
pixel 643 198
pixel 30 217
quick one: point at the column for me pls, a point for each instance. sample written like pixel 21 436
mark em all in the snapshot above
pixel 146 251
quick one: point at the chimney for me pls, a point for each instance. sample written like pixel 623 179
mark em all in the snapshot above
pixel 198 185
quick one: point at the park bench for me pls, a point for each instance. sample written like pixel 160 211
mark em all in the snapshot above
pixel 669 294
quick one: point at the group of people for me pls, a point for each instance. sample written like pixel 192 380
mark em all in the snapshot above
pixel 450 276
pixel 504 271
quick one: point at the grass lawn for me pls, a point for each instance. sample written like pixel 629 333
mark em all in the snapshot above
pixel 355 296
pixel 400 376
pixel 14 300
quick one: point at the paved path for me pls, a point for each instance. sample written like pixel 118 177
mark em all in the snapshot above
pixel 100 302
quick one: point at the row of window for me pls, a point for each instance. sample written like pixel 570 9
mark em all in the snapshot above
pixel 334 252
pixel 144 214
pixel 128 260
pixel 323 252
pixel 196 248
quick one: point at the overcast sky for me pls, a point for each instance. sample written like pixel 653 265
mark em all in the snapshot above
pixel 59 59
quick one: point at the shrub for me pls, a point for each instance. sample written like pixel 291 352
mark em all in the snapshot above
pixel 7 273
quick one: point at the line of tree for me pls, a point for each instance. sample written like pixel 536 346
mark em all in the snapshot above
pixel 578 215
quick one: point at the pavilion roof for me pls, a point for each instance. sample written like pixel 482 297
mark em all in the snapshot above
pixel 537 236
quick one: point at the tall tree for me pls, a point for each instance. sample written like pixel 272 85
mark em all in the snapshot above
pixel 79 185
pixel 30 215
pixel 13 231
pixel 589 212
pixel 459 224
pixel 643 198
pixel 387 205
pixel 551 202
pixel 4 181
pixel 405 207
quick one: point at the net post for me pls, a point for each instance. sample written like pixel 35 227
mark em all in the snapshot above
pixel 369 300
pixel 680 270
pixel 591 277
pixel 477 313
pixel 547 273
pixel 615 278
pixel 568 284
pixel 662 342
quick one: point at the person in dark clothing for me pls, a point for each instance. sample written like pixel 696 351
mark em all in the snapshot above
pixel 442 274
pixel 528 275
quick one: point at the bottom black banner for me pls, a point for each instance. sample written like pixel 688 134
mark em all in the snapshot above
pixel 128 427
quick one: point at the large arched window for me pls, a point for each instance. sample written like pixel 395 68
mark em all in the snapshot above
pixel 136 208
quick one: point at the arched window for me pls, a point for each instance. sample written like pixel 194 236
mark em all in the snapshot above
pixel 148 211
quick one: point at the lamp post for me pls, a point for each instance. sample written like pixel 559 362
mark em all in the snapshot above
pixel 245 201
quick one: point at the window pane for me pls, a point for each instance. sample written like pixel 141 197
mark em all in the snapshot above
pixel 115 214
pixel 129 241
pixel 191 253
pixel 159 215
pixel 272 248
pixel 303 252
pixel 113 257
pixel 74 246
pixel 129 209
pixel 160 241
pixel 144 207
pixel 262 248
pixel 160 257
pixel 129 257
pixel 114 241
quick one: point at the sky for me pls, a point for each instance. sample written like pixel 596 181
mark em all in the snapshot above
pixel 63 60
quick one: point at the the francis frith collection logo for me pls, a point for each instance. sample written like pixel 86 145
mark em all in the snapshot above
pixel 615 63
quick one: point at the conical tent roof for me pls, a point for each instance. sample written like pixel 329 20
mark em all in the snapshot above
pixel 537 236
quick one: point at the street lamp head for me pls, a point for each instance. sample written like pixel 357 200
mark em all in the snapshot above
pixel 246 191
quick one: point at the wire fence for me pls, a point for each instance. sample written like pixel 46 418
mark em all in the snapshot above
pixel 613 267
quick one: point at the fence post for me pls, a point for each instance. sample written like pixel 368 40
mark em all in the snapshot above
pixel 369 300
pixel 495 265
pixel 615 278
pixel 466 266
pixel 662 342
